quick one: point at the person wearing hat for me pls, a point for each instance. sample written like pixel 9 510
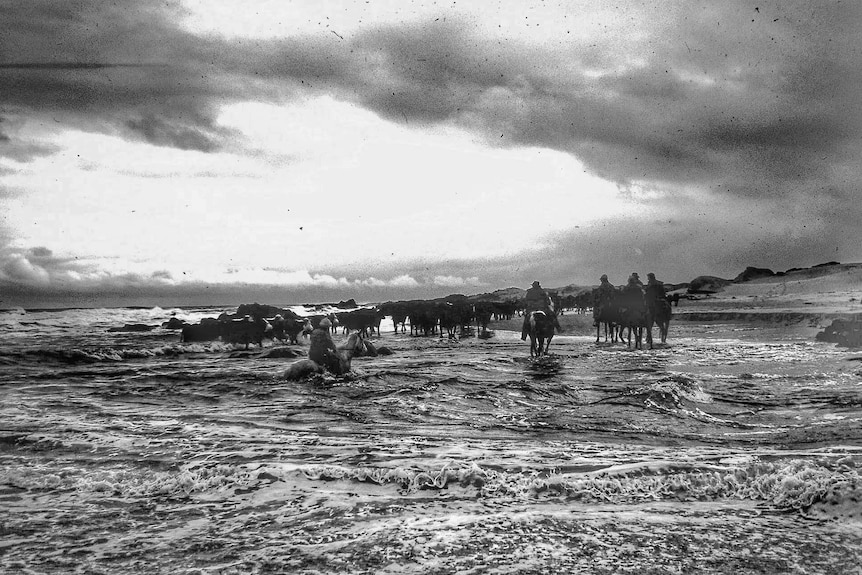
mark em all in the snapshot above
pixel 635 280
pixel 322 349
pixel 654 289
pixel 536 299
pixel 605 288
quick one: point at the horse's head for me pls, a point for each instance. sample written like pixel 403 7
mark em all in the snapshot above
pixel 354 344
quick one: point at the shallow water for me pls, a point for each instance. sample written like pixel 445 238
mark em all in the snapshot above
pixel 733 449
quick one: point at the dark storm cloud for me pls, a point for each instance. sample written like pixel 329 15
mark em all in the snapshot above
pixel 119 66
pixel 723 94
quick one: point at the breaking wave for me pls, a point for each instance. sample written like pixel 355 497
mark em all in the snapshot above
pixel 114 354
pixel 798 484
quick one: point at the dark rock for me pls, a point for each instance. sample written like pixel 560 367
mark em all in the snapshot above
pixel 257 310
pixel 752 273
pixel 133 327
pixel 174 323
pixel 844 332
pixel 707 284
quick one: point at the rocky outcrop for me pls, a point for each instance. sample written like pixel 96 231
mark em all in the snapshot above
pixel 174 323
pixel 844 332
pixel 261 310
pixel 752 273
pixel 707 284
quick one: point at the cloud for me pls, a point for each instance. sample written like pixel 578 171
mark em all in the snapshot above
pixel 456 281
pixel 742 100
pixel 37 272
pixel 17 269
pixel 740 127
pixel 123 67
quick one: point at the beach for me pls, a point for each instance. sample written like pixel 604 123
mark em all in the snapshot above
pixel 733 448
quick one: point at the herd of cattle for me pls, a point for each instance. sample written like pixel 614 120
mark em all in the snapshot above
pixel 254 323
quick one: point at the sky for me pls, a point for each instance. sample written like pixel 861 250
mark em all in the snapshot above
pixel 224 152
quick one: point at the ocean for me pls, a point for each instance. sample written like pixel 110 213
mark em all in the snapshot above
pixel 735 448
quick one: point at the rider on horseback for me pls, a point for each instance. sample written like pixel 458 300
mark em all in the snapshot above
pixel 603 294
pixel 322 349
pixel 654 289
pixel 536 299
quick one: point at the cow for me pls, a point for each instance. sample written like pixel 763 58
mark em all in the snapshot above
pixel 363 320
pixel 315 320
pixel 245 331
pixel 454 315
pixel 482 311
pixel 209 329
pixel 504 310
pixel 398 311
pixel 286 329
pixel 423 317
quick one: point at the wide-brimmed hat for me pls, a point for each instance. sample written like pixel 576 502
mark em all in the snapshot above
pixel 325 323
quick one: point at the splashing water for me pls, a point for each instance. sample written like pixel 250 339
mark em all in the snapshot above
pixel 131 452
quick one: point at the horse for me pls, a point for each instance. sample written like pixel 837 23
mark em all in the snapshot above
pixel 660 312
pixel 635 315
pixel 541 333
pixel 606 313
pixel 339 363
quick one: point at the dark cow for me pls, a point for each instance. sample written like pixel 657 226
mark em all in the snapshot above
pixel 209 329
pixel 315 320
pixel 364 320
pixel 245 331
pixel 423 317
pixel 504 310
pixel 286 329
pixel 454 315
pixel 583 302
pixel 295 326
pixel 483 310
pixel 398 311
